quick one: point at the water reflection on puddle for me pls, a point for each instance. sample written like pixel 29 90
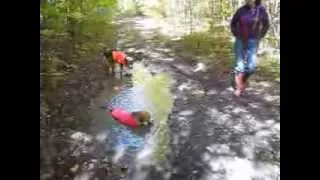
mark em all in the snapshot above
pixel 126 139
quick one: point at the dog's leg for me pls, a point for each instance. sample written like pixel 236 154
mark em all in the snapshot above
pixel 110 65
pixel 106 67
pixel 121 70
pixel 105 64
pixel 113 68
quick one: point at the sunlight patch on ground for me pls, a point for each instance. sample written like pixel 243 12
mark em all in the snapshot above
pixel 248 145
pixel 250 119
pixel 228 108
pixel 224 118
pixel 148 35
pixel 255 125
pixel 231 168
pixel 264 84
pixel 217 116
pixel 144 159
pixel 276 127
pixel 186 113
pixel 254 105
pixel 223 149
pixel 119 154
pixel 167 59
pixel 175 139
pixel 206 157
pixel 194 86
pixel 142 50
pixel 238 110
pixel 146 24
pixel 185 133
pixel 165 50
pixel 234 168
pixel 155 55
pixel 270 98
pixel 144 154
pixel 213 112
pixel 84 176
pixel 184 121
pixel 101 136
pixel 131 49
pixel 198 92
pixel 266 171
pixel 263 133
pixel 225 93
pixel 81 137
pixel 170 31
pixel 185 69
pixel 75 168
pixel 130 58
pixel 230 89
pixel 239 128
pixel 200 67
pixel 212 92
pixel 156 69
pixel 185 86
pixel 176 39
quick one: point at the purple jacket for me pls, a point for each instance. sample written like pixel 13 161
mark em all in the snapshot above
pixel 249 23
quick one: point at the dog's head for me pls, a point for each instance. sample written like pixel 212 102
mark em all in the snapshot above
pixel 142 116
pixel 108 51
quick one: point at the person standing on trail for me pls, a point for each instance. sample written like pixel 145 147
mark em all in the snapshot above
pixel 249 25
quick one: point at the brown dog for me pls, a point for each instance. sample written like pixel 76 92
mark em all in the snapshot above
pixel 113 57
pixel 143 117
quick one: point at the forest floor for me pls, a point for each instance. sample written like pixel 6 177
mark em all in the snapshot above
pixel 213 135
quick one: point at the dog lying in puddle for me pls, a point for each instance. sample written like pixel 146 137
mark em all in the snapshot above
pixel 133 120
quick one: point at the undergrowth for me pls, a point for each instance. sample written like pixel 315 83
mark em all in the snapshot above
pixel 216 48
pixel 268 67
pixel 71 33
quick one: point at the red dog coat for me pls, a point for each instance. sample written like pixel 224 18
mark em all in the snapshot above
pixel 119 57
pixel 124 117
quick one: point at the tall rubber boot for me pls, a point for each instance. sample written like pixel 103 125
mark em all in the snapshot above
pixel 240 86
pixel 246 77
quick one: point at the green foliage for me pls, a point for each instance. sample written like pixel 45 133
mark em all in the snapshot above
pixel 216 45
pixel 268 67
pixel 72 29
pixel 128 7
pixel 156 10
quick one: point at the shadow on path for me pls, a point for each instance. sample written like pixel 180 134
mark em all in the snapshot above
pixel 213 134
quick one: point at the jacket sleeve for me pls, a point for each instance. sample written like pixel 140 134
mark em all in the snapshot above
pixel 265 22
pixel 234 22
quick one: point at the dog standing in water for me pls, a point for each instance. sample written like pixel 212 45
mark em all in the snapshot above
pixel 113 57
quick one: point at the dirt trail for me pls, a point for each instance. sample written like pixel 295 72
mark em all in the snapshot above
pixel 213 134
